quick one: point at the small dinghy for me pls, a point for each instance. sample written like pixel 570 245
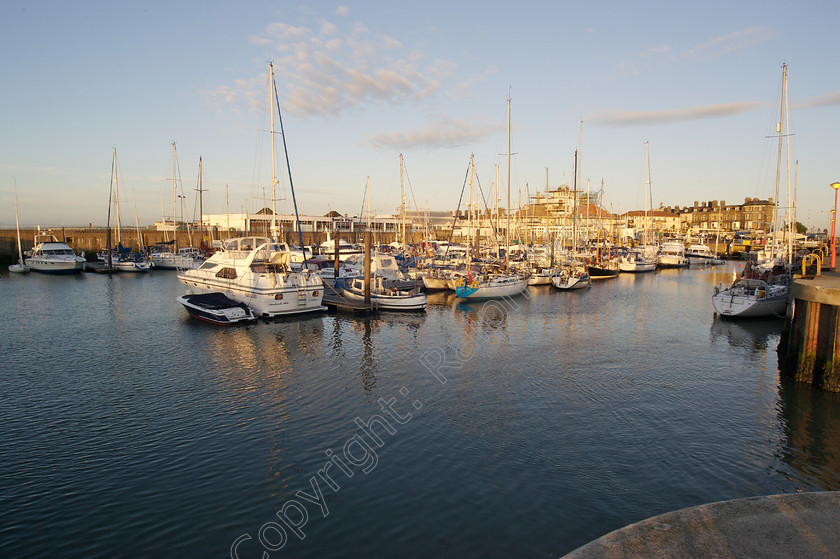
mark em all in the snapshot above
pixel 216 308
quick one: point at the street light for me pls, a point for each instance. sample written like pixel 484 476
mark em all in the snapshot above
pixel 835 186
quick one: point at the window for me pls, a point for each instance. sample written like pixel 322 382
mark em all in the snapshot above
pixel 226 273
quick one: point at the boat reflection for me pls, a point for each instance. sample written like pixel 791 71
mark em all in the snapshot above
pixel 441 298
pixel 756 335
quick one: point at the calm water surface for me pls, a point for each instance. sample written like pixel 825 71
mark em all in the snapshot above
pixel 518 428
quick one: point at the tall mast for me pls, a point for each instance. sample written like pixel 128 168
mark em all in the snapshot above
pixel 289 170
pixel 470 214
pixel 17 227
pixel 496 206
pixel 574 208
pixel 368 203
pixel 779 160
pixel 579 157
pixel 647 190
pixel 116 199
pixel 527 203
pixel 507 227
pixel 110 192
pixel 174 198
pixel 791 200
pixel 402 206
pixel 200 195
pixel 273 171
pixel 588 202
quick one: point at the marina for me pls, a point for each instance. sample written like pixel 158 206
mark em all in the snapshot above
pixel 507 360
pixel 525 426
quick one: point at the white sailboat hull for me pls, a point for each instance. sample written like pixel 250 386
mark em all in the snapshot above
pixel 540 278
pixel 636 267
pixel 390 302
pixel 750 299
pixel 573 282
pixel 494 289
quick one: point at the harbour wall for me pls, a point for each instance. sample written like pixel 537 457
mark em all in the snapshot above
pixel 94 239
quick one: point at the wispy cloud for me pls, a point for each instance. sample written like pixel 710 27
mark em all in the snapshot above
pixel 335 66
pixel 633 118
pixel 731 42
pixel 444 133
pixel 827 100
pixel 722 45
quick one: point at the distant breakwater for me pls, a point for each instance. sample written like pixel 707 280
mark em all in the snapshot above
pixel 94 239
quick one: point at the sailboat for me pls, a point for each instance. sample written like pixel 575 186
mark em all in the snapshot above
pixel 642 258
pixel 20 267
pixel 763 289
pixel 122 259
pixel 572 274
pixel 257 271
pixel 169 256
pixel 490 283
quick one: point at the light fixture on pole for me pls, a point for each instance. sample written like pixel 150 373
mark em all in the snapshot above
pixel 835 186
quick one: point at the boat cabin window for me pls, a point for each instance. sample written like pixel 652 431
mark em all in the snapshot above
pixel 226 273
pixel 207 265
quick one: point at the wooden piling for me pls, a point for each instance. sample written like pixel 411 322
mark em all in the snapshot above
pixel 809 350
pixel 336 254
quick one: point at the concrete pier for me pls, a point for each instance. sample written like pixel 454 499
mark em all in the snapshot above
pixel 776 526
pixel 809 350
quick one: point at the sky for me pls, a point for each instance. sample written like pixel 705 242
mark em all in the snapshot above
pixel 360 83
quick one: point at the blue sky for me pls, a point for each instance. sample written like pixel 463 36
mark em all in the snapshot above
pixel 361 82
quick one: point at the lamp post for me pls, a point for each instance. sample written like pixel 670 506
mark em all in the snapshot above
pixel 835 186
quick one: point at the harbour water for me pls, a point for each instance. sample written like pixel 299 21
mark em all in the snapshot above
pixel 520 428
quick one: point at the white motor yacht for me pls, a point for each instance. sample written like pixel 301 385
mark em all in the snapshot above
pixel 702 255
pixel 252 270
pixel 51 256
pixel 672 255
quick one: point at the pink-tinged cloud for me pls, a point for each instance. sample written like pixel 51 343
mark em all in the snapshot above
pixel 634 118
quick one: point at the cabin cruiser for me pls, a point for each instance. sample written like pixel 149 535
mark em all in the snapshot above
pixel 255 271
pixel 702 255
pixel 186 257
pixel 51 256
pixel 672 255
pixel 345 249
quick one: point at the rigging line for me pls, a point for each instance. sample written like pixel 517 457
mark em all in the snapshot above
pixel 289 169
pixel 486 207
pixel 413 198
pixel 455 215
pixel 364 197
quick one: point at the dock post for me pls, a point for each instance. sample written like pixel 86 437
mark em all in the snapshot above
pixel 809 350
pixel 336 249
